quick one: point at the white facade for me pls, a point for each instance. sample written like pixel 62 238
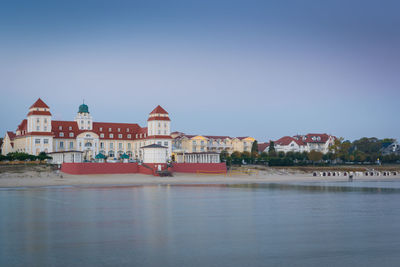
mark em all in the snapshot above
pixel 155 154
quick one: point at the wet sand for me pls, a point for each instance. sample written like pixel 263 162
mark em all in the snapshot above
pixel 33 179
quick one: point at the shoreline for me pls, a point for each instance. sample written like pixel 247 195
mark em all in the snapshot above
pixel 32 180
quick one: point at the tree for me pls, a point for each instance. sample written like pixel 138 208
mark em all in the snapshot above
pixel 236 157
pixel 223 155
pixel 315 156
pixel 254 147
pixel 246 156
pixel 271 150
pixel 42 156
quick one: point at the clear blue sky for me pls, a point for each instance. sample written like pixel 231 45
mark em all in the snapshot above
pixel 259 68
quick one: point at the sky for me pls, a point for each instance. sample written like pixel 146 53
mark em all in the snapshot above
pixel 240 68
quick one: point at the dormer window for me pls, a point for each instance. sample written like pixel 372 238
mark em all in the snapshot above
pixel 71 134
pixel 59 127
pixel 129 136
pixel 37 109
pixel 102 135
pixel 140 135
pixel 111 136
pixel 136 135
pixel 120 136
pixel 127 130
pixel 61 134
pixel 70 128
pixel 101 129
pixel 109 129
pixel 119 129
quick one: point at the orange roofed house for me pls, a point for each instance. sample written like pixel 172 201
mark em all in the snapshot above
pixel 38 132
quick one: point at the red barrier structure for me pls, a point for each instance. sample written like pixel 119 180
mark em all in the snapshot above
pixel 199 167
pixel 148 168
pixel 99 168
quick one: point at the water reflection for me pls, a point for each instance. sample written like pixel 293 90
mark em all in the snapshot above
pixel 308 224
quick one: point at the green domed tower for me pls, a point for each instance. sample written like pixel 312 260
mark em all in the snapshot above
pixel 83 108
pixel 84 119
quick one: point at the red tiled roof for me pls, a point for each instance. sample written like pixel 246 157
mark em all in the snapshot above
pixel 284 141
pixel 158 119
pixel 22 125
pixel 158 110
pixel 39 104
pixel 36 112
pixel 262 147
pixel 65 129
pixel 309 138
pixel 11 135
pixel 127 131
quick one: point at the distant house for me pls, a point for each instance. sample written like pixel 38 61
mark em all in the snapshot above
pixel 301 143
pixel 393 148
pixel 263 147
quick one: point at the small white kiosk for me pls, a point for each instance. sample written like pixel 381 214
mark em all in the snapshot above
pixel 154 153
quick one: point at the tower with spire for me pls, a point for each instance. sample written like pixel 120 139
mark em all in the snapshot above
pixel 39 118
pixel 159 128
pixel 83 118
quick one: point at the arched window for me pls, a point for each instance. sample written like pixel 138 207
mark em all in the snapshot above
pixel 111 154
pixel 88 144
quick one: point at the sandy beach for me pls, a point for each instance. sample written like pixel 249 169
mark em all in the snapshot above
pixel 35 179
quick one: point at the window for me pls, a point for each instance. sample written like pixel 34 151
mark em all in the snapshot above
pixel 120 136
pixel 102 135
pixel 111 136
pixel 159 132
pixel 159 143
pixel 45 128
pixel 119 145
pixel 37 141
pixel 59 127
pixel 165 131
pixel 159 124
pixel 111 154
pixel 119 129
pixel 165 143
pixel 129 136
pixel 45 141
pixel 165 124
pixel 37 120
pixel 88 144
pixel 70 128
pixel 101 129
pixel 127 130
pixel 71 145
pixel 202 142
pixel 45 120
pixel 80 144
pixel 61 144
pixel 194 143
pixel 61 134
pixel 136 135
pixel 88 135
pixel 71 134
pixel 140 135
pixel 101 145
pixel 81 122
pixel 109 129
pixel 129 146
pixel 37 128
pixel 111 145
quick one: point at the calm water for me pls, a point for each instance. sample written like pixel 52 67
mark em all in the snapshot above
pixel 309 224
